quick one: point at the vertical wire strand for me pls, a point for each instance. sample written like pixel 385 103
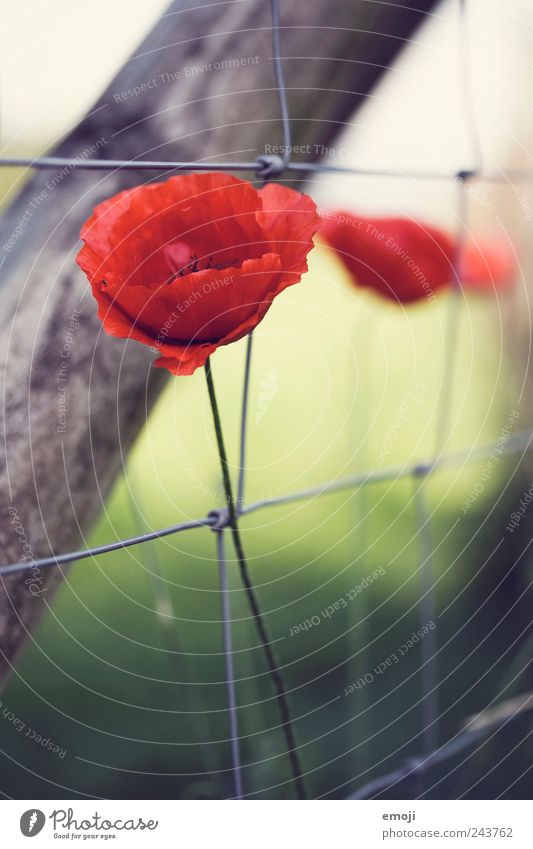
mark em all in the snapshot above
pixel 359 639
pixel 166 617
pixel 451 333
pixel 227 640
pixel 244 420
pixel 450 347
pixel 467 88
pixel 427 606
pixel 280 81
pixel 274 669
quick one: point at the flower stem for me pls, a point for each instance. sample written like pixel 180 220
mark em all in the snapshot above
pixel 275 672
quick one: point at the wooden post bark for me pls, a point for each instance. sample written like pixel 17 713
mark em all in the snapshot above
pixel 201 85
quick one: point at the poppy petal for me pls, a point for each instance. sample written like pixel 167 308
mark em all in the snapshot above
pixel 488 265
pixel 292 219
pixel 400 259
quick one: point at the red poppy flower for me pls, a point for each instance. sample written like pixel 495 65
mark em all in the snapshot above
pixel 193 263
pixel 488 266
pixel 406 260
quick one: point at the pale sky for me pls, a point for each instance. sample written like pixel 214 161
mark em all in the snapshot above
pixel 58 56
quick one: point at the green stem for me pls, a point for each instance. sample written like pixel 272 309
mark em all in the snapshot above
pixel 275 672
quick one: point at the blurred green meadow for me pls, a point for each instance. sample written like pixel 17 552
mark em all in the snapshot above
pixel 126 672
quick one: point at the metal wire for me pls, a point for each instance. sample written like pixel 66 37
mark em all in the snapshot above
pixel 244 415
pixel 82 554
pixel 419 766
pixel 272 167
pixel 427 614
pixel 510 175
pixel 227 641
pixel 282 90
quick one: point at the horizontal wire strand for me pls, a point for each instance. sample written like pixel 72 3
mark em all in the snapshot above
pixel 83 553
pixel 521 441
pixel 50 162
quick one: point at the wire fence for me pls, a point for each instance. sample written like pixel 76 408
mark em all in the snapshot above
pixel 269 167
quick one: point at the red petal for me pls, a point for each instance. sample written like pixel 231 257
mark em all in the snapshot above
pixel 488 265
pixel 292 220
pixel 195 262
pixel 148 233
pixel 205 306
pixel 186 360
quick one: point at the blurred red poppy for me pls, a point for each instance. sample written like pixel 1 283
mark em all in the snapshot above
pixel 488 266
pixel 194 263
pixel 406 260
